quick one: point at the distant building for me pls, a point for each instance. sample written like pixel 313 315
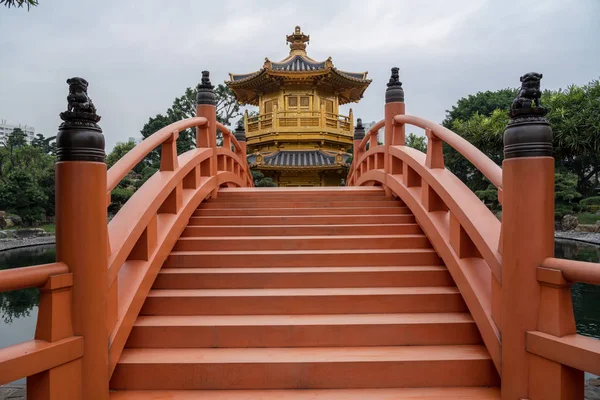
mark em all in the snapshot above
pixel 135 140
pixel 6 129
pixel 380 134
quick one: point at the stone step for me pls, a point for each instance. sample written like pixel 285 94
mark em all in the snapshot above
pixel 304 368
pixel 303 258
pixel 303 219
pixel 305 277
pixel 421 393
pixel 303 301
pixel 267 202
pixel 326 211
pixel 345 330
pixel 301 230
pixel 339 242
pixel 311 193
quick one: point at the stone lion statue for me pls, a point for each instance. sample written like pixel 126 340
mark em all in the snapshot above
pixel 530 93
pixel 78 100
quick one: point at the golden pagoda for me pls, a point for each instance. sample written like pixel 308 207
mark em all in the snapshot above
pixel 299 138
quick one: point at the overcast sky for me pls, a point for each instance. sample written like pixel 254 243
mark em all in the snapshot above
pixel 139 55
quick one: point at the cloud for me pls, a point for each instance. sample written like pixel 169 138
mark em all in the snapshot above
pixel 139 56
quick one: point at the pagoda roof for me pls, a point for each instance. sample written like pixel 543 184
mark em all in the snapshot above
pixel 299 159
pixel 298 67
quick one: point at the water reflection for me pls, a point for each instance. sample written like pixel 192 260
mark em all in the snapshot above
pixel 586 298
pixel 20 303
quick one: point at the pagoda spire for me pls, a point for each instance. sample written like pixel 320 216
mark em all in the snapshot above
pixel 297 41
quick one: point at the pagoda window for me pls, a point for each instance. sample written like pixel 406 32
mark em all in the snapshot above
pixel 297 103
pixel 329 106
pixel 269 105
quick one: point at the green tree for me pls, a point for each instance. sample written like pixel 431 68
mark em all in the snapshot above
pixel 46 145
pixel 120 149
pixel 575 119
pixel 574 114
pixel 482 103
pixel 27 179
pixel 565 193
pixel 19 3
pixel 133 181
pixel 185 107
pixel 22 194
pixel 417 142
pixel 483 132
pixel 260 180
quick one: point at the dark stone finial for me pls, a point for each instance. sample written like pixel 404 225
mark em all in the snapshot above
pixel 359 130
pixel 206 95
pixel 79 137
pixel 394 91
pixel 527 101
pixel 240 133
pixel 528 133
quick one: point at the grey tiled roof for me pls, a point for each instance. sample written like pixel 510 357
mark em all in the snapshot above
pixel 298 159
pixel 298 63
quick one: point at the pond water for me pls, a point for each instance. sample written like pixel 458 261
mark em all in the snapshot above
pixel 18 309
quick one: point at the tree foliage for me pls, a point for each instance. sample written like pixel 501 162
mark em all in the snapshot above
pixel 19 3
pixel 27 177
pixel 565 193
pixel 185 107
pixel 574 114
pixel 417 142
pixel 260 180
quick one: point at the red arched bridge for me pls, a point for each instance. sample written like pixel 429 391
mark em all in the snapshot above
pixel 400 285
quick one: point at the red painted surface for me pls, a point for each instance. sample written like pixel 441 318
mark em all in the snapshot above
pixel 399 285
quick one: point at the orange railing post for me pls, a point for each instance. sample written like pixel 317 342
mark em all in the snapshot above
pixel 206 102
pixel 81 232
pixel 527 240
pixel 394 105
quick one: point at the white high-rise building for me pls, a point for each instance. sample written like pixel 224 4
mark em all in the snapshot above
pixel 7 128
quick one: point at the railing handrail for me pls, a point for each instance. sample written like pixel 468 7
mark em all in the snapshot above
pixel 225 131
pixel 122 167
pixel 372 130
pixel 484 164
pixel 575 271
pixel 28 277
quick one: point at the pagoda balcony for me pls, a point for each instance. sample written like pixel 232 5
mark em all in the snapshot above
pixel 262 126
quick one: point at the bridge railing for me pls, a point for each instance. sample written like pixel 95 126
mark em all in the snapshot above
pixel 517 293
pixel 90 298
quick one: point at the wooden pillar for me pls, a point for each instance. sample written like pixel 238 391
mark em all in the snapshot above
pixel 527 235
pixel 81 232
pixel 275 120
pixel 206 102
pixel 394 105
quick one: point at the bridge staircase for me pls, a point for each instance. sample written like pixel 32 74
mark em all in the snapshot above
pixel 335 291
pixel 401 285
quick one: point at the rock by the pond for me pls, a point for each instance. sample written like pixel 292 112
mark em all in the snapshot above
pixel 15 220
pixel 29 232
pixel 587 228
pixel 569 222
pixel 25 233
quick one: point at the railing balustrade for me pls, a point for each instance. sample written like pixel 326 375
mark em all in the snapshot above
pixel 83 324
pixel 299 119
pixel 518 294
